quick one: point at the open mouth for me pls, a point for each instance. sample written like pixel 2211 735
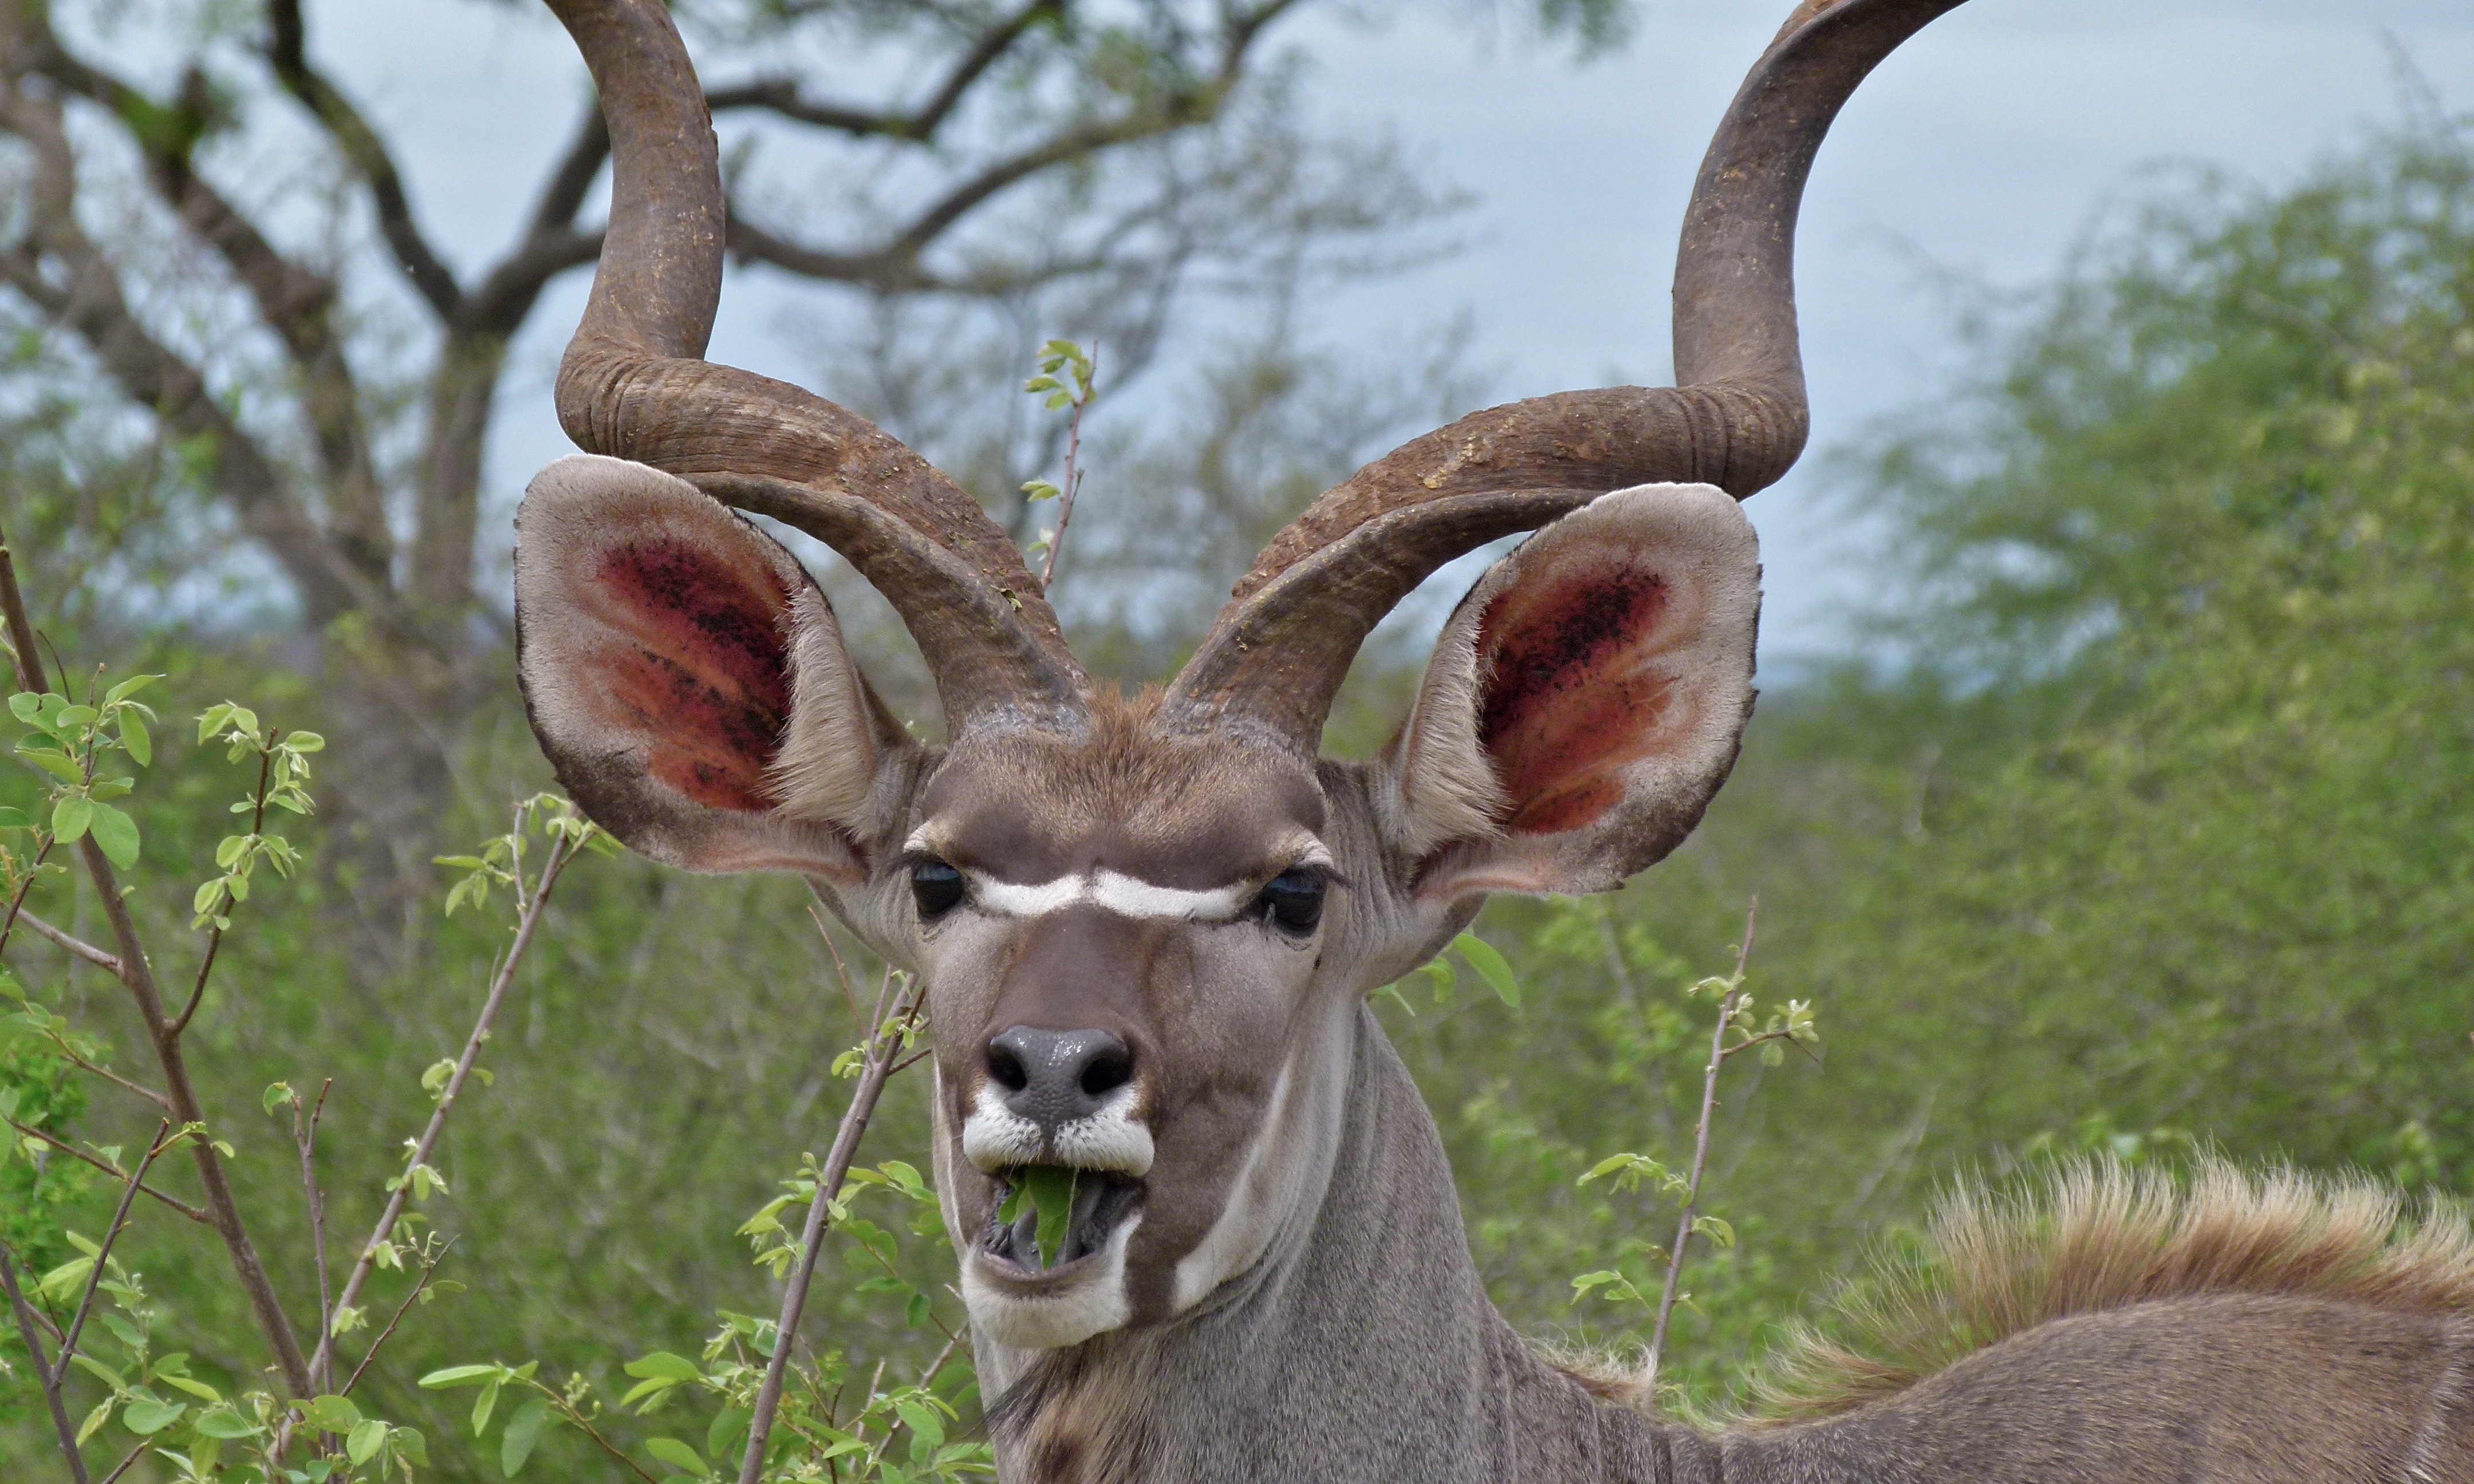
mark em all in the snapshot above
pixel 1097 1203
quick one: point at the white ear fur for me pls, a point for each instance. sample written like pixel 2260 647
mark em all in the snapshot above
pixel 1448 789
pixel 831 747
pixel 570 629
pixel 1444 787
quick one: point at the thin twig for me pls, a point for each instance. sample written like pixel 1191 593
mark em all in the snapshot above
pixel 110 1234
pixel 158 1099
pixel 134 1454
pixel 215 933
pixel 953 1340
pixel 1701 1143
pixel 17 902
pixel 428 1270
pixel 75 945
pixel 44 1373
pixel 561 852
pixel 884 1038
pixel 193 1212
pixel 1073 472
pixel 305 1134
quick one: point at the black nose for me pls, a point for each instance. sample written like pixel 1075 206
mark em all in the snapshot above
pixel 1054 1077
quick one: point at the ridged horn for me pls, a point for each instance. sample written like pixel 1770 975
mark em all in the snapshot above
pixel 1276 654
pixel 635 385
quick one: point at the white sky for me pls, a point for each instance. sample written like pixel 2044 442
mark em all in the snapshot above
pixel 1983 147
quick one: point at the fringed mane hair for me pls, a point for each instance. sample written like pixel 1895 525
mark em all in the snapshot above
pixel 2094 1235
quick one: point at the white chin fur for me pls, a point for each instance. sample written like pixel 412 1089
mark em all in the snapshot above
pixel 1093 1303
pixel 995 1137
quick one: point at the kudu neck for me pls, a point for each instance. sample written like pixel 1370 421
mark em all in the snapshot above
pixel 1365 1350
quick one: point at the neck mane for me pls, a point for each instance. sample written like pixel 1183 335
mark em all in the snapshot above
pixel 1365 1348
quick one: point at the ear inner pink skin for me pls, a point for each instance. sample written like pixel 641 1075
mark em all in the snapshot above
pixel 1560 718
pixel 707 676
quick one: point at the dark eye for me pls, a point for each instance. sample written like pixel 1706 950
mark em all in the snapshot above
pixel 1292 900
pixel 936 887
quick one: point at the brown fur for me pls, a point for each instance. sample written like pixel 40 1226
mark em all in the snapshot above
pixel 2095 1236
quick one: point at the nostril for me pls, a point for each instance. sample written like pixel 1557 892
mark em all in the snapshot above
pixel 1109 1068
pixel 1005 1069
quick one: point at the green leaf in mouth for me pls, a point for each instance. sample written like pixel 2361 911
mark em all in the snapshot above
pixel 1050 1190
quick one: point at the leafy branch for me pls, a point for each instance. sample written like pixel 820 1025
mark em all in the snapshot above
pixel 1068 377
pixel 1736 1031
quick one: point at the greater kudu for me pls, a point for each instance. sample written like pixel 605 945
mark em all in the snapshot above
pixel 1146 926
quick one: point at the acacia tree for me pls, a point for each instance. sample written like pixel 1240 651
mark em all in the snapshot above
pixel 325 395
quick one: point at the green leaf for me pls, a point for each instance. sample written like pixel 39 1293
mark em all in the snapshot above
pixel 70 818
pixel 57 763
pixel 726 1430
pixel 224 1421
pixel 1715 1231
pixel 661 1365
pixel 364 1441
pixel 306 742
pixel 483 1405
pixel 1050 1190
pixel 922 1420
pixel 410 1446
pixel 332 1414
pixel 129 687
pixel 675 1455
pixel 96 1418
pixel 458 1376
pixel 72 718
pixel 279 1094
pixel 116 834
pixel 12 819
pixel 524 1430
pixel 196 1388
pixel 134 737
pixel 1606 1166
pixel 645 1391
pixel 67 1278
pixel 1490 966
pixel 26 705
pixel 145 1416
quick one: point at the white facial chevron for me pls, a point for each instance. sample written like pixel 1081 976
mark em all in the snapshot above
pixel 1124 895
pixel 1116 892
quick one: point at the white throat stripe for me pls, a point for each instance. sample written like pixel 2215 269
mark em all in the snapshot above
pixel 1123 894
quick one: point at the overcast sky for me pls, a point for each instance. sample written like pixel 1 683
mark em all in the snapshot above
pixel 1985 146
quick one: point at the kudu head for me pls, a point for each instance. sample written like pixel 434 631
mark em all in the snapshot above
pixel 1145 925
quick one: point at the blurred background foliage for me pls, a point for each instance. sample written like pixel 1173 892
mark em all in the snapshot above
pixel 2153 830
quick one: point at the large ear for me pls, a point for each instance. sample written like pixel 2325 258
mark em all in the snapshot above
pixel 1586 700
pixel 687 680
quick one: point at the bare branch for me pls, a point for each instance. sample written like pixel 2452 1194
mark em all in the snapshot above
pixel 562 195
pixel 421 1283
pixel 780 95
pixel 77 945
pixel 498 304
pixel 295 301
pixel 110 1234
pixel 92 304
pixel 288 53
pixel 194 1213
pixel 896 264
pixel 144 1447
pixel 563 852
pixel 305 1134
pixel 44 1373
